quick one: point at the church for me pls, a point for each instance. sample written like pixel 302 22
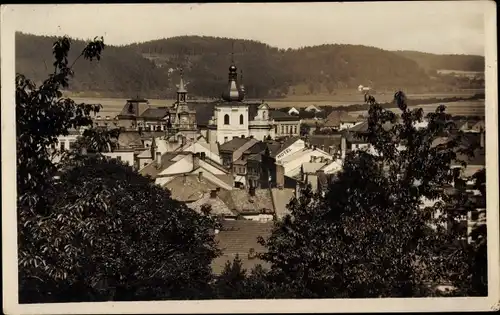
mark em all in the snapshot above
pixel 219 122
pixel 234 118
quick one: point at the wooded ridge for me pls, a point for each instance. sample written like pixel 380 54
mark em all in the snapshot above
pixel 151 68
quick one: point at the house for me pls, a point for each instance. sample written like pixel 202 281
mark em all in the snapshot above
pixel 289 147
pixel 312 108
pixel 281 197
pixel 234 149
pixel 188 187
pixel 328 143
pixel 478 127
pixel 167 166
pixel 292 163
pixel 254 204
pixel 216 204
pixel 285 124
pixel 341 120
pixel 201 145
pixel 293 111
pixel 240 238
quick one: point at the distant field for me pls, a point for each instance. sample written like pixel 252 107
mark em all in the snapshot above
pixel 460 108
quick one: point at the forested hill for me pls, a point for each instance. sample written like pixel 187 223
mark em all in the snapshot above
pixel 150 68
pixel 435 62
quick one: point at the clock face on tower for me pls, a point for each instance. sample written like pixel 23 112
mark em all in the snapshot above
pixel 184 119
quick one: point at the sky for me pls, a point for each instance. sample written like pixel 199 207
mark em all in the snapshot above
pixel 441 27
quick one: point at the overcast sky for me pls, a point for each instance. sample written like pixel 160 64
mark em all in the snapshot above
pixel 444 27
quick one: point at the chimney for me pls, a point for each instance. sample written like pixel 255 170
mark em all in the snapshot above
pixel 343 147
pixel 280 176
pixel 252 191
pixel 158 158
pixel 312 159
pixel 200 176
pixel 213 193
pixel 323 147
pixel 202 155
pixel 183 140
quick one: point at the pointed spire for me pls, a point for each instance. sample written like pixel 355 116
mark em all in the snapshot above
pixel 181 88
pixel 232 92
pixel 232 52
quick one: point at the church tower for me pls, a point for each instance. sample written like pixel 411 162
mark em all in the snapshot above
pixel 231 113
pixel 182 118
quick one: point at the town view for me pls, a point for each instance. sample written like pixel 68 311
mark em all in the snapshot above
pixel 195 167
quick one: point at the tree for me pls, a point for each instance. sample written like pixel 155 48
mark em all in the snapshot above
pixel 117 234
pixel 304 129
pixel 465 201
pixel 230 283
pixel 91 228
pixel 43 115
pixel 98 140
pixel 369 234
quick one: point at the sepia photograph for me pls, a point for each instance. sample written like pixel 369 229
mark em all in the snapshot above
pixel 250 157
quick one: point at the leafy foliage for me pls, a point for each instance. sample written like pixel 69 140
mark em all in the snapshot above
pixel 91 228
pixel 369 235
pixel 145 68
pixel 114 231
pixel 95 140
pixel 43 115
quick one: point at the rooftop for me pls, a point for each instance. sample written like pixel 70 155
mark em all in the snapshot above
pixel 237 237
pixel 189 188
pixel 281 198
pixel 155 113
pixel 282 116
pixel 218 207
pixel 167 160
pixel 240 201
pixel 336 117
pixel 234 144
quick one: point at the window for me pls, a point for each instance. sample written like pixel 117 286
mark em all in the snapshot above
pixel 53 146
pixel 241 119
pixel 63 145
pixel 282 129
pixel 226 119
pixel 71 145
pixel 119 158
pixel 286 128
pixel 264 114
pixel 234 137
pixel 295 129
pixel 225 138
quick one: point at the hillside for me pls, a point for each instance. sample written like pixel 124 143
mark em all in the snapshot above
pixel 149 68
pixel 433 62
